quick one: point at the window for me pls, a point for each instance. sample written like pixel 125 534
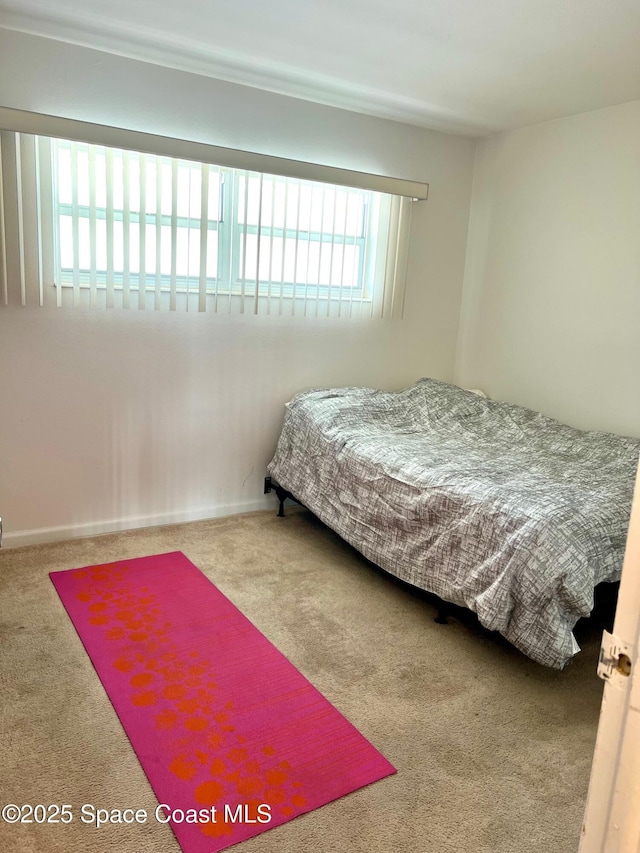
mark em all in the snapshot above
pixel 124 228
pixel 160 223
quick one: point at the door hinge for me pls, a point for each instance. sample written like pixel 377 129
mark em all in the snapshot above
pixel 615 657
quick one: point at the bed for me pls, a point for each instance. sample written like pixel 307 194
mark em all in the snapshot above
pixel 485 504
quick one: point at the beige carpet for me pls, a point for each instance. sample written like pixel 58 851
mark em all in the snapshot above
pixel 493 751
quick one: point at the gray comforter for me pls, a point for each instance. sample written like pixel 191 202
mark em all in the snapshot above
pixel 488 505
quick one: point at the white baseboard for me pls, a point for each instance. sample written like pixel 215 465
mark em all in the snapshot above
pixel 18 538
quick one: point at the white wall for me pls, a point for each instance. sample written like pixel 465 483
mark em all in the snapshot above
pixel 115 419
pixel 551 305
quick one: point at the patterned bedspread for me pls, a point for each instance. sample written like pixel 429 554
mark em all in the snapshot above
pixel 488 505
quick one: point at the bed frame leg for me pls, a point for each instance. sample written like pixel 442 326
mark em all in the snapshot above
pixel 441 618
pixel 282 495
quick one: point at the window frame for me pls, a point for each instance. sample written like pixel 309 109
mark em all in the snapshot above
pixel 229 263
pixel 27 249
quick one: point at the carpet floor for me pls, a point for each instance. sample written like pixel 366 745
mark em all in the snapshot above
pixel 493 751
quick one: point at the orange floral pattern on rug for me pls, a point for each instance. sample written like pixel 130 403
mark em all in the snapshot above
pixel 218 717
pixel 180 695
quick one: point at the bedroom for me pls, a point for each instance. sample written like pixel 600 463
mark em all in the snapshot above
pixel 152 419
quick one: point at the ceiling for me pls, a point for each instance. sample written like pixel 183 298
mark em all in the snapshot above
pixel 464 66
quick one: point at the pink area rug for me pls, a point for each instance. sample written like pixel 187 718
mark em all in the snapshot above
pixel 233 739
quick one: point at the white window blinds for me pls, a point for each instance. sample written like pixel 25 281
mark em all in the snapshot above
pixel 112 227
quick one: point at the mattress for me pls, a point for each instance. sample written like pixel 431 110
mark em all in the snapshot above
pixel 488 505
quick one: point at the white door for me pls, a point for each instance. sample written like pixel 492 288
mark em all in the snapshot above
pixel 612 817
